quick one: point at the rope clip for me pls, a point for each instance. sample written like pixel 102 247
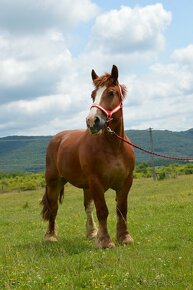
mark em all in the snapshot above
pixel 110 130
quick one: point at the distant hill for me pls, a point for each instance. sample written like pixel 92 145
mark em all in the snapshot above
pixel 179 144
pixel 23 153
pixel 27 153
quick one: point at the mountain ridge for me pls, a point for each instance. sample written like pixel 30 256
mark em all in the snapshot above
pixel 27 153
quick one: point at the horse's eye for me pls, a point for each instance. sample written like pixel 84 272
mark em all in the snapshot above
pixel 93 95
pixel 111 94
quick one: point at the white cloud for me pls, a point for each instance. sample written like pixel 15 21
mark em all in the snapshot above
pixel 34 40
pixel 163 98
pixel 41 105
pixel 27 17
pixel 35 113
pixel 184 55
pixel 178 78
pixel 13 73
pixel 32 65
pixel 130 30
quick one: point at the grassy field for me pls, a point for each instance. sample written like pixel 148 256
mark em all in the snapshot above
pixel 160 221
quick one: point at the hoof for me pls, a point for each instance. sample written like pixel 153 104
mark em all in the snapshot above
pixel 50 238
pixel 104 243
pixel 125 240
pixel 92 234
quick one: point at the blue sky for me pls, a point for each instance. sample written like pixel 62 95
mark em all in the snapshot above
pixel 48 48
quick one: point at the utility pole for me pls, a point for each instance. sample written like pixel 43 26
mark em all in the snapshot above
pixel 152 156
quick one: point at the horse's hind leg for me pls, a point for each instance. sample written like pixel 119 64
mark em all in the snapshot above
pixel 91 230
pixel 54 191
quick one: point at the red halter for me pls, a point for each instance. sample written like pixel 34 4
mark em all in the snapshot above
pixel 109 113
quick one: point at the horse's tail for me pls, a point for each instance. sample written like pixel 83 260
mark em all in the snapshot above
pixel 61 196
pixel 46 210
pixel 46 207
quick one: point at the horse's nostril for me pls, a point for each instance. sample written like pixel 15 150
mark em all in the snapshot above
pixel 97 120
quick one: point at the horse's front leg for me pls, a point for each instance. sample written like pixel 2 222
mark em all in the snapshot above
pixel 103 239
pixel 122 234
pixel 91 230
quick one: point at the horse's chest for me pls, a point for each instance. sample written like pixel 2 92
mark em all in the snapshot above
pixel 115 172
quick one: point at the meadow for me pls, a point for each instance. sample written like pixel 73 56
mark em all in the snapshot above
pixel 160 221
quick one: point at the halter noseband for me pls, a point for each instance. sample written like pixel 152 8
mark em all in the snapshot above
pixel 109 113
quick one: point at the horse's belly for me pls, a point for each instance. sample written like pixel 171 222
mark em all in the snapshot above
pixel 76 179
pixel 70 170
pixel 68 162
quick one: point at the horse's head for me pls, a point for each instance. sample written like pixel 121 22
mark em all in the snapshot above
pixel 107 101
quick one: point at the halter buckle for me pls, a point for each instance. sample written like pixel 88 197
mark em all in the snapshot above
pixel 110 130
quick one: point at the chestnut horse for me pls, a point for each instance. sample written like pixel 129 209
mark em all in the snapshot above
pixel 94 160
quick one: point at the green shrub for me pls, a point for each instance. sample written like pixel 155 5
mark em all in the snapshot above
pixel 161 176
pixel 21 181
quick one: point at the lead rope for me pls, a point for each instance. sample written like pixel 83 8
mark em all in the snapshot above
pixel 148 151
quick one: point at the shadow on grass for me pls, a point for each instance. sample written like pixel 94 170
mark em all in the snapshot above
pixel 70 246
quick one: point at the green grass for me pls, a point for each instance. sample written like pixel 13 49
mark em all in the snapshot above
pixel 160 221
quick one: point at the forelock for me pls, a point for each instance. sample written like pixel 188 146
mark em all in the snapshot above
pixel 102 81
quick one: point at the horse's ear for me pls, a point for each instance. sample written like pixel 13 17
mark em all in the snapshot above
pixel 94 75
pixel 114 74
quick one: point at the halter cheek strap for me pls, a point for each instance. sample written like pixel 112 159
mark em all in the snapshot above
pixel 109 113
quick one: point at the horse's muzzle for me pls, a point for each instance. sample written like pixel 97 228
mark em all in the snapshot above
pixel 96 124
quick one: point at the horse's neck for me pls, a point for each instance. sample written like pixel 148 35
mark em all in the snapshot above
pixel 118 128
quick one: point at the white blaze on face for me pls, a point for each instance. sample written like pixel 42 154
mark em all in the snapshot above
pixel 90 120
pixel 97 101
